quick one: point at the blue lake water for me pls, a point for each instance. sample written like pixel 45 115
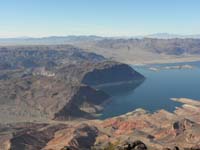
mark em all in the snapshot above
pixel 155 91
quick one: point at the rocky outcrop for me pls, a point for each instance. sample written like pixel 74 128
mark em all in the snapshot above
pixel 137 130
pixel 97 74
pixel 180 126
pixel 108 73
pixel 84 138
pixel 28 136
pixel 136 145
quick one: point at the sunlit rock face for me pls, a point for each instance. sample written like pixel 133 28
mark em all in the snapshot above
pixel 139 129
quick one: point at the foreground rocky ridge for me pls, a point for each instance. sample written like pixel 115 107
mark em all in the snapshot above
pixel 157 131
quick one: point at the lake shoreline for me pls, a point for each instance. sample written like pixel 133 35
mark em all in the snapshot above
pixel 165 61
pixel 156 91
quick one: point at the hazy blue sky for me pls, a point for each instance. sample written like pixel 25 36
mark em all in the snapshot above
pixel 100 17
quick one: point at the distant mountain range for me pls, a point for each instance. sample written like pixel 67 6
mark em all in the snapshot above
pixel 172 36
pixel 71 39
pixel 48 40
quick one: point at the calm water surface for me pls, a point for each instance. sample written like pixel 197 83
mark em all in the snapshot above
pixel 157 89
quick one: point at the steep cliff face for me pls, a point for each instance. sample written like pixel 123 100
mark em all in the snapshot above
pixel 89 76
pixel 108 73
pixel 101 73
pixel 85 103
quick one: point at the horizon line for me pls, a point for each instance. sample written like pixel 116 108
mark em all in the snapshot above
pixel 104 36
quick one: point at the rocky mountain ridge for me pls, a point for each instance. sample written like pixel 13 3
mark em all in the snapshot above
pixel 161 130
pixel 148 49
pixel 56 82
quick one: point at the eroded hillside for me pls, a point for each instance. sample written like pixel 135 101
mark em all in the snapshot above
pixel 161 130
pixel 56 82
